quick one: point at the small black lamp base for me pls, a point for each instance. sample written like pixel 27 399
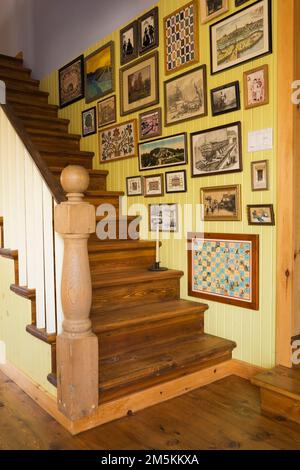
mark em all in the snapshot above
pixel 156 268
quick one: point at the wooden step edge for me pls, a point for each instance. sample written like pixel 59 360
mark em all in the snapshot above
pixel 33 93
pixel 39 117
pixel 104 193
pixel 43 106
pixel 41 334
pixel 120 245
pixel 23 291
pixel 17 60
pixel 261 383
pixel 26 81
pixel 133 277
pixel 67 153
pixel 122 219
pixel 42 134
pixel 9 254
pixel 13 68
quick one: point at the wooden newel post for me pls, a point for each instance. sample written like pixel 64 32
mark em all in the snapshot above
pixel 77 346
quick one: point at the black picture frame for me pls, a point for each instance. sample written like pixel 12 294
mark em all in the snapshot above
pixel 123 59
pixel 237 107
pixel 80 95
pixel 173 173
pixel 86 111
pixel 155 13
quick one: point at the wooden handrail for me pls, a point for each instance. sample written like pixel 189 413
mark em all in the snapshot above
pixel 53 185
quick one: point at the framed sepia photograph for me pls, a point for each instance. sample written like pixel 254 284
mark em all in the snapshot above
pixel 165 216
pixel 211 9
pixel 241 37
pixel 256 87
pixel 148 31
pixel 217 151
pixel 107 111
pixel 262 214
pixel 176 182
pixel 165 152
pixel 225 99
pixel 150 124
pixel 181 32
pixel 139 84
pixel 186 96
pixel 71 82
pixel 134 186
pixel 260 175
pixel 100 73
pixel 129 48
pixel 153 186
pixel 118 142
pixel 89 126
pixel 221 203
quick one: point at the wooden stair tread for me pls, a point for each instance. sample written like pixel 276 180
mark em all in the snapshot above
pixel 120 245
pixel 57 169
pixel 33 93
pixel 132 277
pixel 67 152
pixel 120 219
pixel 14 68
pixel 34 105
pixel 41 117
pixel 104 193
pixel 281 380
pixel 17 60
pixel 36 133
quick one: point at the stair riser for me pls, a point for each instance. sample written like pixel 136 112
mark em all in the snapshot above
pixel 30 109
pixel 54 160
pixel 121 261
pixel 18 97
pixel 11 62
pixel 98 201
pixel 47 126
pixel 13 73
pixel 121 234
pixel 49 144
pixel 21 85
pixel 97 182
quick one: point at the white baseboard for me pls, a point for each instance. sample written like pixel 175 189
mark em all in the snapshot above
pixel 2 352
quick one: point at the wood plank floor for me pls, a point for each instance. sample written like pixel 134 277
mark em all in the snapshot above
pixel 224 415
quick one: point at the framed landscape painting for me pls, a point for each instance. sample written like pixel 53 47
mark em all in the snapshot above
pixel 117 142
pixel 107 111
pixel 148 31
pixel 100 73
pixel 225 99
pixel 221 203
pixel 129 49
pixel 71 82
pixel 165 152
pixel 150 124
pixel 241 37
pixel 186 97
pixel 89 126
pixel 211 9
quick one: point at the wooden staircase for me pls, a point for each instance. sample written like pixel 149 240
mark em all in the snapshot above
pixel 147 334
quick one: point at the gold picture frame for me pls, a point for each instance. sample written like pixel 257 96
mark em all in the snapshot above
pixel 206 16
pixel 260 175
pixel 221 203
pixel 256 89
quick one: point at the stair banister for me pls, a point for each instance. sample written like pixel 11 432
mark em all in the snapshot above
pixel 77 346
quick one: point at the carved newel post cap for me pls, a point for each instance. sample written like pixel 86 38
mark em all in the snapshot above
pixel 75 181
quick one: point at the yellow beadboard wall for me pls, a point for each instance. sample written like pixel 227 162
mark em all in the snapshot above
pixel 253 331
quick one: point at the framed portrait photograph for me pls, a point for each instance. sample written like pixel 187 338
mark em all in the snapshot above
pixel 181 34
pixel 241 37
pixel 148 31
pixel 153 185
pixel 89 126
pixel 139 84
pixel 186 96
pixel 164 152
pixel 221 203
pixel 176 182
pixel 256 87
pixel 225 99
pixel 260 175
pixel 100 73
pixel 211 9
pixel 224 268
pixel 129 49
pixel 71 82
pixel 217 151
pixel 118 142
pixel 165 216
pixel 150 124
pixel 134 186
pixel 107 111
pixel 261 214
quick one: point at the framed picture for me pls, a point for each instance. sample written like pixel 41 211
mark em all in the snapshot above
pixel 217 151
pixel 129 43
pixel 154 185
pixel 238 3
pixel 89 125
pixel 221 203
pixel 210 9
pixel 256 87
pixel 181 32
pixel 165 216
pixel 262 214
pixel 119 141
pixel 107 111
pixel 176 182
pixel 260 176
pixel 71 82
pixel 100 73
pixel 186 96
pixel 160 153
pixel 150 124
pixel 225 99
pixel 134 186
pixel 148 31
pixel 139 84
pixel 241 37
pixel 224 268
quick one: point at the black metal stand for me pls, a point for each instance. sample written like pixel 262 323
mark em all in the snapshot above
pixel 156 268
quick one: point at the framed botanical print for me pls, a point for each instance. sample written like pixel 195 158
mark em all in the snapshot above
pixel 261 214
pixel 71 82
pixel 225 99
pixel 89 125
pixel 221 203
pixel 135 186
pixel 118 142
pixel 164 152
pixel 150 124
pixel 107 111
pixel 256 87
pixel 186 96
pixel 165 216
pixel 224 268
pixel 129 49
pixel 217 151
pixel 181 33
pixel 154 185
pixel 100 73
pixel 241 37
pixel 211 9
pixel 260 175
pixel 139 84
pixel 148 31
pixel 176 181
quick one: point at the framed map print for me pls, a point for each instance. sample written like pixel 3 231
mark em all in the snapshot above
pixel 71 82
pixel 224 268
